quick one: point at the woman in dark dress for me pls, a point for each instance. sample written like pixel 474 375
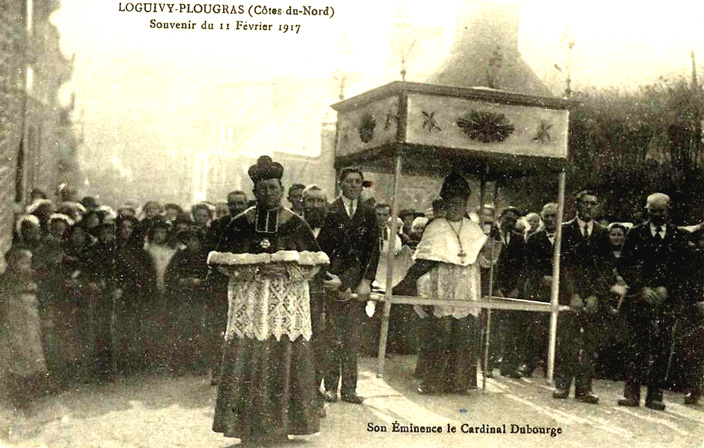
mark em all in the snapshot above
pixel 612 349
pixel 189 305
pixel 136 282
pixel 80 300
pixel 686 369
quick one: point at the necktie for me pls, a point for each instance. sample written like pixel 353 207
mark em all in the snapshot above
pixel 658 229
pixel 351 210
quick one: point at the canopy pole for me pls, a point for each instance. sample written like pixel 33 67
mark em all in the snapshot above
pixel 390 265
pixel 482 197
pixel 487 331
pixel 482 194
pixel 555 290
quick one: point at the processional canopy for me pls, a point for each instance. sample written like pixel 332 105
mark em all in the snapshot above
pixel 439 128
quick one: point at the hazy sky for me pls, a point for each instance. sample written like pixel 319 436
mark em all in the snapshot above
pixel 133 81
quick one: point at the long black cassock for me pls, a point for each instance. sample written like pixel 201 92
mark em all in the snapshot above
pixel 267 378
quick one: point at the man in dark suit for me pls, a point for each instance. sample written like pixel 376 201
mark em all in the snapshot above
pixel 350 237
pixel 585 248
pixel 236 204
pixel 509 283
pixel 315 204
pixel 538 273
pixel 653 263
pixel 295 198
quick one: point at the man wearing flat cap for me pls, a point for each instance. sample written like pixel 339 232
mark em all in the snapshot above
pixel 652 263
pixel 266 386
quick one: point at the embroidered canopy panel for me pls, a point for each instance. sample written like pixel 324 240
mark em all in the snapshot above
pixel 438 127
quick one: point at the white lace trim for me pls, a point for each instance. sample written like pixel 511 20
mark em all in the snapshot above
pixel 265 308
pixel 303 258
pixel 452 282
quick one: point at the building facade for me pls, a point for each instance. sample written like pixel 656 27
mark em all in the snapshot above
pixel 35 131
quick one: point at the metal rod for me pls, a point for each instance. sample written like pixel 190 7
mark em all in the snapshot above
pixel 390 264
pixel 495 303
pixel 555 291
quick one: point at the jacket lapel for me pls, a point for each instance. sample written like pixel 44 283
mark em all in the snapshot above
pixel 340 206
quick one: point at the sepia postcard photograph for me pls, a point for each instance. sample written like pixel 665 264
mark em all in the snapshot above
pixel 447 223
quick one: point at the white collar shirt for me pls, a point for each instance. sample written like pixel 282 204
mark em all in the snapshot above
pixel 589 226
pixel 506 238
pixel 350 205
pixel 654 230
pixel 551 237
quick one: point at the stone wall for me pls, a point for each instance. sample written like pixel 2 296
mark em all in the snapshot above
pixel 30 118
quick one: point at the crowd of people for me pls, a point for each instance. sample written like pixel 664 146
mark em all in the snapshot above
pixel 634 290
pixel 106 292
pixel 270 300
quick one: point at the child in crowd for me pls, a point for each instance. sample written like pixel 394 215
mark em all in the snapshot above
pixel 21 341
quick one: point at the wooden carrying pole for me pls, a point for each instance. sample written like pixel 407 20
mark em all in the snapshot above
pixel 390 265
pixel 487 331
pixel 482 198
pixel 555 291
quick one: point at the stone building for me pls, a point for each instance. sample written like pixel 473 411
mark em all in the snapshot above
pixel 36 142
pixel 244 120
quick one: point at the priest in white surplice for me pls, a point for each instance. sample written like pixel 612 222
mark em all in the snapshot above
pixel 446 267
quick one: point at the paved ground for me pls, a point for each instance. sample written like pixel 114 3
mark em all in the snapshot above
pixel 177 412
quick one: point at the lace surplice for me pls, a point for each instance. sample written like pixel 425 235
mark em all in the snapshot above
pixel 262 308
pixel 452 282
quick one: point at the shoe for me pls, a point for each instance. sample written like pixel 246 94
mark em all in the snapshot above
pixel 561 394
pixel 352 398
pixel 525 370
pixel 515 375
pixel 655 405
pixel 691 398
pixel 628 402
pixel 330 396
pixel 425 390
pixel 588 398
